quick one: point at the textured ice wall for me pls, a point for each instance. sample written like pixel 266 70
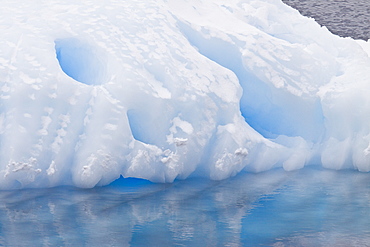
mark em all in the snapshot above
pixel 167 89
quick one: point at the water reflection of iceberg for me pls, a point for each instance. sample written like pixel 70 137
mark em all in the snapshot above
pixel 311 207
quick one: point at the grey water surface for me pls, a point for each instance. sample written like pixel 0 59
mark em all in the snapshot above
pixel 346 18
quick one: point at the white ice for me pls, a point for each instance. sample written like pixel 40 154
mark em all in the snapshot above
pixel 169 89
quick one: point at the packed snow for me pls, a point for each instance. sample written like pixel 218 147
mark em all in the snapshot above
pixel 168 89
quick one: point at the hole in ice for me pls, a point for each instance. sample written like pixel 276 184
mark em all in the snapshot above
pixel 146 126
pixel 138 126
pixel 81 61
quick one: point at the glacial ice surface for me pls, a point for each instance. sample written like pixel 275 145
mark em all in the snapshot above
pixel 169 89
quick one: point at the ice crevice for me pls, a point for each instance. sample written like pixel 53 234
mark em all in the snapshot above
pixel 268 109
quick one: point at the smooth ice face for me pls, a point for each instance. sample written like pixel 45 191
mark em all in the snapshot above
pixel 169 89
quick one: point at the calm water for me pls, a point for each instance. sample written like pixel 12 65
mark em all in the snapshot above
pixel 310 207
pixel 346 18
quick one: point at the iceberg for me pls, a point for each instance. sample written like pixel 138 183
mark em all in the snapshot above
pixel 168 89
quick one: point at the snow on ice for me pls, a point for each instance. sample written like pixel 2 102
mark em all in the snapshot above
pixel 169 89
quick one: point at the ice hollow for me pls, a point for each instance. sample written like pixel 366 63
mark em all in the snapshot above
pixel 81 61
pixel 164 90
